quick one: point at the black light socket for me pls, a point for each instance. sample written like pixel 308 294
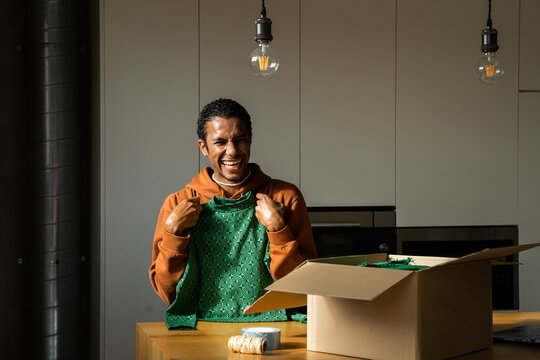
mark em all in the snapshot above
pixel 489 40
pixel 263 32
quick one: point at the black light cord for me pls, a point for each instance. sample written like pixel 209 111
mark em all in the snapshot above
pixel 263 9
pixel 488 23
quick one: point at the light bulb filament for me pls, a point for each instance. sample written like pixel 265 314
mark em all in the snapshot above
pixel 490 70
pixel 263 62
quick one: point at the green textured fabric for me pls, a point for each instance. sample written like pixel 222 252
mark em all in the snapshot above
pixel 228 267
pixel 404 264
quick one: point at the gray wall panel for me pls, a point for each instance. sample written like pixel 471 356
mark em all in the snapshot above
pixel 529 45
pixel 456 141
pixel 226 38
pixel 150 102
pixel 348 102
pixel 529 198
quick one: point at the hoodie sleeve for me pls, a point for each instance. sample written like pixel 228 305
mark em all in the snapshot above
pixel 293 244
pixel 169 253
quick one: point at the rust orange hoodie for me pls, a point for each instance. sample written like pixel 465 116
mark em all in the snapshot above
pixel 288 247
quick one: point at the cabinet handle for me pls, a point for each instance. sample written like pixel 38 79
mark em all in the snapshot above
pixel 337 224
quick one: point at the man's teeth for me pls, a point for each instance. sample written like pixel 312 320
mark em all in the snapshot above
pixel 231 163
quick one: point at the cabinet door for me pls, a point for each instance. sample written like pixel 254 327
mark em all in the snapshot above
pixel 529 46
pixel 456 138
pixel 148 150
pixel 347 102
pixel 227 29
pixel 529 198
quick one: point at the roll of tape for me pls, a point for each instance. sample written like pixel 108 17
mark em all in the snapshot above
pixel 272 335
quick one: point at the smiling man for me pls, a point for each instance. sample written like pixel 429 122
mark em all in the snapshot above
pixel 230 232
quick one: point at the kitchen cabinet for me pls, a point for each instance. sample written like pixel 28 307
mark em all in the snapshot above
pixel 347 102
pixel 529 197
pixel 456 138
pixel 529 45
pixel 226 30
pixel 361 112
pixel 148 109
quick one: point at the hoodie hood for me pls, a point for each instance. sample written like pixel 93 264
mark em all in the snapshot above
pixel 206 188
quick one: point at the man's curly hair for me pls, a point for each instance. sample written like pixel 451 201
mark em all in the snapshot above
pixel 224 108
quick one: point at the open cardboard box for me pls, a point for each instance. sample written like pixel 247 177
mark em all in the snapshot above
pixel 435 313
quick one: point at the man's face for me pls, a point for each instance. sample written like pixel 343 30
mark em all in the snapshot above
pixel 228 147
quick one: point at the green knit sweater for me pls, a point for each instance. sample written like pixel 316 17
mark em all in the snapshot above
pixel 227 268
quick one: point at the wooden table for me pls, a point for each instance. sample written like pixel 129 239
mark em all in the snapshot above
pixel 209 341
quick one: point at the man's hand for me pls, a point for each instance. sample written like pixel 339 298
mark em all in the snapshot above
pixel 269 213
pixel 183 216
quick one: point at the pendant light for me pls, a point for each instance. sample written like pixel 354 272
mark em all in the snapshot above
pixel 263 60
pixel 489 68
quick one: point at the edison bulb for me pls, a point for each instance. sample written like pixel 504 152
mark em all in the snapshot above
pixel 264 60
pixel 489 68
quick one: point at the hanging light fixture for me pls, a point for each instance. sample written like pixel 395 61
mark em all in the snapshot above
pixel 489 68
pixel 263 60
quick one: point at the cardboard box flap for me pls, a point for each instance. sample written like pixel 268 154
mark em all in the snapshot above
pixel 343 281
pixel 274 300
pixel 488 254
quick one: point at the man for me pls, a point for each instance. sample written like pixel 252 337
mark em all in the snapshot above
pixel 224 130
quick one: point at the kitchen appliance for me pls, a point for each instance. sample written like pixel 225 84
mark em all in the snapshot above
pixel 462 240
pixel 340 231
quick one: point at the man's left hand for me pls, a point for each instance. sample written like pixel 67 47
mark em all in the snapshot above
pixel 269 213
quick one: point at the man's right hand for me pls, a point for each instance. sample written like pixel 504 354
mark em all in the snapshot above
pixel 183 216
